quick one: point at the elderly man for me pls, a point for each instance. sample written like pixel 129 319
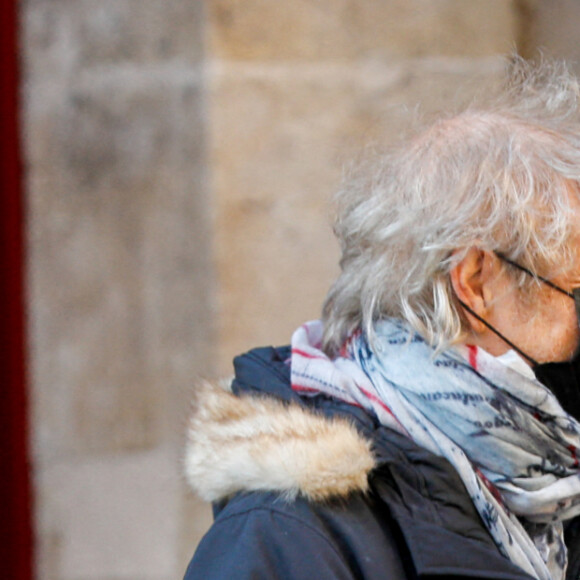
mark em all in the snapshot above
pixel 428 425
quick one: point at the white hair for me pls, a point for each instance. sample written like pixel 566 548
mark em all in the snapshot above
pixel 497 177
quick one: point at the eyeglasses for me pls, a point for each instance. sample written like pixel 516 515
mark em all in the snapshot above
pixel 575 294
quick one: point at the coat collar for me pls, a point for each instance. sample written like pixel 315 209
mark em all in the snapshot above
pixel 442 530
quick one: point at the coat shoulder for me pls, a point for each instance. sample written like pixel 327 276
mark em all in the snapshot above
pixel 261 534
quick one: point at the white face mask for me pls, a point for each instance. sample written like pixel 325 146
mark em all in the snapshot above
pixel 514 361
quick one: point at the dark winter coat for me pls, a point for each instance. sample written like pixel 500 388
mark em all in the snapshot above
pixel 317 489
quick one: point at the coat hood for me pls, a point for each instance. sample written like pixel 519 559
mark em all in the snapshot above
pixel 257 443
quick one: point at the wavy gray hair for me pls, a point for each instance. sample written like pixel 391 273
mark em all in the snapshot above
pixel 497 177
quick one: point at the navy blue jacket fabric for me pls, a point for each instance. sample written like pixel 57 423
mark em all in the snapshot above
pixel 416 520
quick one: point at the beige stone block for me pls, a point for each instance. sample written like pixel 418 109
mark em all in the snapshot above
pixel 63 36
pixel 552 27
pixel 346 29
pixel 281 135
pixel 110 518
pixel 120 278
pixel 48 548
pixel 196 518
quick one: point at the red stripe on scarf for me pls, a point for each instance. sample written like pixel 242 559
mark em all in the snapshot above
pixel 379 402
pixel 308 355
pixel 572 451
pixel 472 355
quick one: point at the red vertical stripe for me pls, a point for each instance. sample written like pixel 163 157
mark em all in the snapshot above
pixel 15 505
pixel 572 451
pixel 472 355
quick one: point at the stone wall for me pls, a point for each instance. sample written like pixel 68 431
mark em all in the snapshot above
pixel 120 276
pixel 550 26
pixel 180 157
pixel 296 89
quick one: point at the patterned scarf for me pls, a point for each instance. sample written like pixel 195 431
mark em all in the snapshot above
pixel 507 436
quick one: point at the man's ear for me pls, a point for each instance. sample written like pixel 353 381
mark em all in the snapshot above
pixel 471 278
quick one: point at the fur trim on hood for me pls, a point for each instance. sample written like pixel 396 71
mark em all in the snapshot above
pixel 250 443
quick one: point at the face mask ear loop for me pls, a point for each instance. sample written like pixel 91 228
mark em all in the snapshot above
pixel 506 340
pixel 576 293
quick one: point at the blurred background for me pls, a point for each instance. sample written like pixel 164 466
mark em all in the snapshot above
pixel 177 161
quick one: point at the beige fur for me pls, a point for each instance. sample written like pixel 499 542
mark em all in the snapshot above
pixel 256 443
